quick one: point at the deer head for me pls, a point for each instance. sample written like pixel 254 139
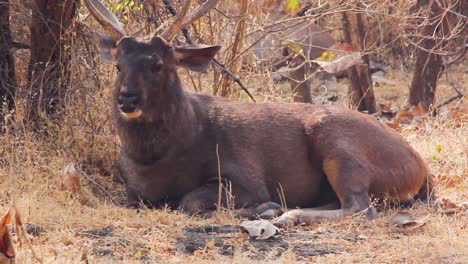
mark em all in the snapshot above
pixel 147 69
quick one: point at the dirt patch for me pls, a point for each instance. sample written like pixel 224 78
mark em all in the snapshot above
pixel 227 241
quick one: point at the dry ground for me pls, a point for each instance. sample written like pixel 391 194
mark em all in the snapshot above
pixel 90 227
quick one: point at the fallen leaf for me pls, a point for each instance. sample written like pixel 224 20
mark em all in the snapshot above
pixel 394 125
pixel 7 252
pixel 262 229
pixel 459 115
pixel 343 47
pixel 407 117
pixel 210 244
pixel 138 255
pixel 150 247
pixel 420 109
pixel 445 206
pixel 406 221
pixel 70 178
pixel 451 181
pixel 198 253
pixel 66 241
pixel 341 63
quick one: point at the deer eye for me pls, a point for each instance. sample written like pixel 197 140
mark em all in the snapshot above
pixel 117 67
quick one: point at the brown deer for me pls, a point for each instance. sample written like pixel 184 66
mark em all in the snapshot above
pixel 312 39
pixel 176 144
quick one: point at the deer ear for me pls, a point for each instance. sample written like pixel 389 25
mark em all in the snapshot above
pixel 107 47
pixel 195 58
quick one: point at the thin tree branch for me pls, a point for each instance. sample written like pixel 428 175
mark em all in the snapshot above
pixel 188 39
pixel 453 60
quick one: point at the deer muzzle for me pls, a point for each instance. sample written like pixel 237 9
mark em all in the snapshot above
pixel 129 105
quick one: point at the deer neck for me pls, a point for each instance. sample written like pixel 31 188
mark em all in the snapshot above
pixel 173 127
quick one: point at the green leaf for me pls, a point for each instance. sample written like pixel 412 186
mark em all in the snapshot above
pixel 119 7
pixel 295 47
pixel 150 247
pixel 292 6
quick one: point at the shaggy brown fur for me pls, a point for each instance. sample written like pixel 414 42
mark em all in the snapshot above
pixel 317 155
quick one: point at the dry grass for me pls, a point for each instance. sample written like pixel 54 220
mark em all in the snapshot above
pixel 31 175
pixel 31 165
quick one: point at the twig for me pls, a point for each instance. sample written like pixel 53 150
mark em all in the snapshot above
pixel 226 15
pixel 220 183
pixel 98 185
pixel 451 99
pixel 235 78
pixel 453 60
pixel 448 101
pixel 188 39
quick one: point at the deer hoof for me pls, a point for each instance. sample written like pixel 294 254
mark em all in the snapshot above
pixel 269 214
pixel 268 210
pixel 285 221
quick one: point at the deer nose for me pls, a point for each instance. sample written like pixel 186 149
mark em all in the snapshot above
pixel 128 103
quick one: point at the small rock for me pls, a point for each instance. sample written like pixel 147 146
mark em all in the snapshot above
pixel 107 231
pixel 34 230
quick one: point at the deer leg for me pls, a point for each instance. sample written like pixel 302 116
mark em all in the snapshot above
pixel 358 202
pixel 204 201
pixel 267 210
pixel 200 201
pixel 350 181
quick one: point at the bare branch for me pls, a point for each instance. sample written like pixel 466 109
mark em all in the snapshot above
pixel 199 12
pixel 171 31
pixel 456 58
pixel 215 61
pixel 183 19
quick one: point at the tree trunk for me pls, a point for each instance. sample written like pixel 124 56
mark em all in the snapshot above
pixel 48 72
pixel 7 64
pixel 428 64
pixel 361 91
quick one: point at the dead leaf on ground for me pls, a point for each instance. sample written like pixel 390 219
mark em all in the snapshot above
pixel 404 221
pixel 445 206
pixel 407 117
pixel 387 110
pixel 262 229
pixel 210 244
pixel 7 252
pixel 70 178
pixel 451 181
pixel 340 64
pixel 459 115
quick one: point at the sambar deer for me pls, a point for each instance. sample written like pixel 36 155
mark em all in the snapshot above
pixel 273 46
pixel 175 144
